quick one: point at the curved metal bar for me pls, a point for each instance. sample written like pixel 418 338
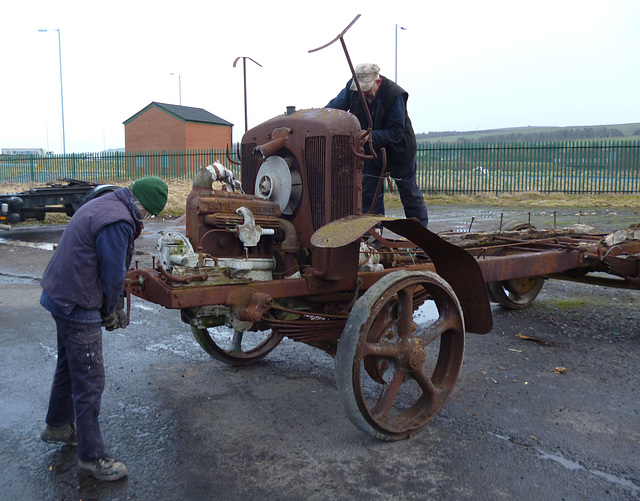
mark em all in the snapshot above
pixel 185 279
pixel 338 37
pixel 229 156
pixel 353 75
pixel 383 174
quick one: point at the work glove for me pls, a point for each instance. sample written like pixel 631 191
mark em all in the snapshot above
pixel 118 319
pixel 110 322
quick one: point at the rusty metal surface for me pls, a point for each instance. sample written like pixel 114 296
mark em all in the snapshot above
pixel 530 253
pixel 318 145
pixel 343 231
pixel 528 264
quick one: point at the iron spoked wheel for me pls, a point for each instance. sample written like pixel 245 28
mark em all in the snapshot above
pixel 396 365
pixel 236 347
pixel 516 293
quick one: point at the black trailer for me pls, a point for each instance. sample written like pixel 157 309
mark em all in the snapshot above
pixel 63 195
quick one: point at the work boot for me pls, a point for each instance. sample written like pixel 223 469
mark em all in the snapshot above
pixel 104 468
pixel 65 434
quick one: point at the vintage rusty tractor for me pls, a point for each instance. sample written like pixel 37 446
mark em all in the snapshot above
pixel 295 258
pixel 288 252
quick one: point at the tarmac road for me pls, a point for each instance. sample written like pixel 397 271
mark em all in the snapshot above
pixel 191 428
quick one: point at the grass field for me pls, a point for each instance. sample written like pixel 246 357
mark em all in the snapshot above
pixel 629 130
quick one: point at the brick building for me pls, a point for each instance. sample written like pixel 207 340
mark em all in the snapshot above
pixel 170 129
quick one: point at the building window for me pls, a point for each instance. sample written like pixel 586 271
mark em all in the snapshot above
pixel 140 162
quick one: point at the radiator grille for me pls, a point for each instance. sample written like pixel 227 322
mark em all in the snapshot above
pixel 342 178
pixel 249 169
pixel 315 154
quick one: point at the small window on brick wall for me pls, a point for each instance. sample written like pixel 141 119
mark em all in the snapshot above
pixel 140 162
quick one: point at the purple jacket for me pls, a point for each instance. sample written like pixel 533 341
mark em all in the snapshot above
pixel 82 272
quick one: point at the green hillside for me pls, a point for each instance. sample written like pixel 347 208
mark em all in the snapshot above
pixel 617 132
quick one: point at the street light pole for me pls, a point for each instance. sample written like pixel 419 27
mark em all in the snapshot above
pixel 64 144
pixel 179 87
pixel 244 73
pixel 396 79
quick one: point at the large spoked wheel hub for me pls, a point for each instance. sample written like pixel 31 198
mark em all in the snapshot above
pixel 400 354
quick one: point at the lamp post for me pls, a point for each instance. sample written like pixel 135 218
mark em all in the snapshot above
pixel 402 28
pixel 244 73
pixel 179 87
pixel 64 144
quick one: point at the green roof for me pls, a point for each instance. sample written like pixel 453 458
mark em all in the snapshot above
pixel 184 113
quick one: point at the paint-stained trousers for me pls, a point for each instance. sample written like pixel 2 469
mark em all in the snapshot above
pixel 78 383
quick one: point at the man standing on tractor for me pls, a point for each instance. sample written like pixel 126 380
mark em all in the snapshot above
pixel 392 130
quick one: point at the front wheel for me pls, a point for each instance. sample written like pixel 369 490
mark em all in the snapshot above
pixel 400 354
pixel 235 347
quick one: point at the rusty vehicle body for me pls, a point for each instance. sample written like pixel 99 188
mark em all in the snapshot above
pixel 297 258
pixel 288 253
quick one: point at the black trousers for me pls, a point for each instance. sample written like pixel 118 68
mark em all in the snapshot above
pixel 405 179
pixel 78 383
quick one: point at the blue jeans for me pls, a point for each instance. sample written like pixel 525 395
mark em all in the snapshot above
pixel 405 179
pixel 76 392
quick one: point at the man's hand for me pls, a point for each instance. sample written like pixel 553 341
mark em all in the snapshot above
pixel 364 137
pixel 118 319
pixel 110 322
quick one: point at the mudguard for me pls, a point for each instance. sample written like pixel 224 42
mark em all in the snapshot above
pixel 452 263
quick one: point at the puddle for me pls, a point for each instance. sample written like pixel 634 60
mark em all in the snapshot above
pixel 144 307
pixel 572 465
pixel 575 466
pixel 6 278
pixel 33 245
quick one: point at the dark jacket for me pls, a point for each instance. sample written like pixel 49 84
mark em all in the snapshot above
pixel 78 268
pixel 392 127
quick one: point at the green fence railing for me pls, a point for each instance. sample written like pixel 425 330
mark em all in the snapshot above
pixel 569 167
pixel 112 166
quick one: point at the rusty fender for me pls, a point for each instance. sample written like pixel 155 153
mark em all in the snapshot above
pixel 454 264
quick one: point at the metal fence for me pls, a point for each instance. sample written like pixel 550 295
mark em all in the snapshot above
pixel 112 166
pixel 569 167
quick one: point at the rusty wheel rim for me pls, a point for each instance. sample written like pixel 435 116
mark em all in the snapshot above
pixel 235 347
pixel 403 368
pixel 517 293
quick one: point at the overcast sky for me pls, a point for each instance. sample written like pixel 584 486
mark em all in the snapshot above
pixel 467 65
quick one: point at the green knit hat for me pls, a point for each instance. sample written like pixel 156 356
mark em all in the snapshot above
pixel 151 192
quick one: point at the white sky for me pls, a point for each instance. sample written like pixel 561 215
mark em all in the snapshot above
pixel 467 65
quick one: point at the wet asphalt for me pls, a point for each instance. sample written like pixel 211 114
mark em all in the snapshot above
pixel 191 428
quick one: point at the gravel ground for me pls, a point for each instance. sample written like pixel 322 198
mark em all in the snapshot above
pixel 555 416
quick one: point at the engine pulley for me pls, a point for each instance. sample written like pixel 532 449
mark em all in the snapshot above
pixel 278 182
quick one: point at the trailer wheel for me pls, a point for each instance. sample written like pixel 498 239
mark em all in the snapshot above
pixel 235 347
pixel 515 294
pixel 396 365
